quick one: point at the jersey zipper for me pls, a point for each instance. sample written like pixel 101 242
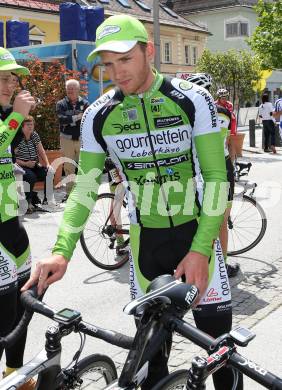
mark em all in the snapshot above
pixel 155 162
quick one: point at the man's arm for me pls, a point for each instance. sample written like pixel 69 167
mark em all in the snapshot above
pixel 8 128
pixel 66 116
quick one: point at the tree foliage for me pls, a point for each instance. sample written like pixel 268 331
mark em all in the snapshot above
pixel 236 71
pixel 266 39
pixel 47 84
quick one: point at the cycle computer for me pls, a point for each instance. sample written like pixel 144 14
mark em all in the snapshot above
pixel 242 336
pixel 67 316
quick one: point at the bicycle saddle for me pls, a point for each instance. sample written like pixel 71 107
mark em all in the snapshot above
pixel 165 289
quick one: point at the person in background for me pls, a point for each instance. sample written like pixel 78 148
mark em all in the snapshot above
pixel 222 96
pixel 15 258
pixel 70 110
pixel 31 156
pixel 266 114
pixel 278 112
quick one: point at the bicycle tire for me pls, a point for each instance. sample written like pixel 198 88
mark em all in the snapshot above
pixel 96 371
pixel 95 240
pixel 240 237
pixel 177 380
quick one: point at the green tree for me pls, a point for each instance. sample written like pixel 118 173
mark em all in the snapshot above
pixel 236 71
pixel 47 84
pixel 266 39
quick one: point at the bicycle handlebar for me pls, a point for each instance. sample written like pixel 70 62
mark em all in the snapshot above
pixel 32 303
pixel 236 360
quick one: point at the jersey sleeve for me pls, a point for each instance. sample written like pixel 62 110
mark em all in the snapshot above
pixel 210 153
pixel 8 129
pixel 82 199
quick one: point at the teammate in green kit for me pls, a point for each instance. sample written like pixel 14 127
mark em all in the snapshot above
pixel 15 259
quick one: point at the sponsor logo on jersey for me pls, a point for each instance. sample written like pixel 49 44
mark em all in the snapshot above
pixel 99 102
pixel 211 106
pixel 156 109
pixel 8 270
pixel 212 293
pixel 168 121
pixel 132 165
pixel 185 85
pixel 160 179
pixel 130 127
pixel 177 94
pixel 156 100
pixel 130 115
pixel 3 138
pixel 13 124
pixel 5 160
pixel 162 138
pixel 6 175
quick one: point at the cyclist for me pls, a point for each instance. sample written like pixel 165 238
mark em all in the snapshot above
pixel 15 259
pixel 278 112
pixel 159 132
pixel 222 95
pixel 225 119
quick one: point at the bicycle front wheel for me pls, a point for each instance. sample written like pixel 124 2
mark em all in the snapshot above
pixel 177 380
pixel 246 225
pixel 94 372
pixel 106 231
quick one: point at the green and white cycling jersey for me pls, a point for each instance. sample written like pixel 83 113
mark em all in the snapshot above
pixel 160 141
pixel 8 193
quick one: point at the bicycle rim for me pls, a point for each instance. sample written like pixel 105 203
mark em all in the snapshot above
pixel 98 241
pixel 95 372
pixel 175 381
pixel 246 225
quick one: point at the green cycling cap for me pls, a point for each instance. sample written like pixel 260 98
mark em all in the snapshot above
pixel 8 63
pixel 118 33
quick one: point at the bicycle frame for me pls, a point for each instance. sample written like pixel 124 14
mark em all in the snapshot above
pixel 46 364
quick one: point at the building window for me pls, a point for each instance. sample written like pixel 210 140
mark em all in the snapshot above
pixel 237 29
pixel 194 55
pixel 33 42
pixel 187 55
pixel 167 57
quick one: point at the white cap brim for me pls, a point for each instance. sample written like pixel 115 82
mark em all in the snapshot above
pixel 114 46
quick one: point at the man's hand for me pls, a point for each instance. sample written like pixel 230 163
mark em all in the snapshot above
pixel 195 267
pixel 23 103
pixel 47 271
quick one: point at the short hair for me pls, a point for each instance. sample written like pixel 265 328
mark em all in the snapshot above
pixel 28 118
pixel 73 82
pixel 264 98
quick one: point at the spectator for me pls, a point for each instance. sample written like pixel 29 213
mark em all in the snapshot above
pixel 222 95
pixel 278 112
pixel 266 114
pixel 15 256
pixel 70 110
pixel 29 153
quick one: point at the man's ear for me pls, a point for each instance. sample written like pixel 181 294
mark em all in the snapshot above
pixel 150 50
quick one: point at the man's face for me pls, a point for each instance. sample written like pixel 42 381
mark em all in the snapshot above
pixel 72 91
pixel 130 71
pixel 8 85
